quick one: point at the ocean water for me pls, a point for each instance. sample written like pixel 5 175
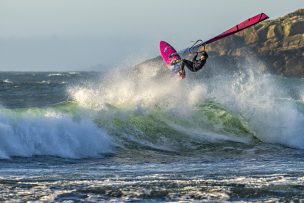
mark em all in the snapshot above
pixel 145 136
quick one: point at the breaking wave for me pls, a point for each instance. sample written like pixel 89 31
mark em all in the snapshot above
pixel 245 106
pixel 46 132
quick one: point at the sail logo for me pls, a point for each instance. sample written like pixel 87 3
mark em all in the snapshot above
pixel 165 49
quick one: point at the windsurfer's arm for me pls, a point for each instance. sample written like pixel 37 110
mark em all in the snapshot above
pixel 195 56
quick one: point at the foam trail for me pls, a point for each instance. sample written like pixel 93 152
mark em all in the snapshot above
pixel 50 133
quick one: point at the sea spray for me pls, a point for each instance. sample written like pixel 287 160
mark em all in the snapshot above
pixel 264 101
pixel 143 87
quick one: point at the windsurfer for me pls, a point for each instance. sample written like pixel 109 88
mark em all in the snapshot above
pixel 194 65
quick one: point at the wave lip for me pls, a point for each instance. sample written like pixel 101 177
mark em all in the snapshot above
pixel 50 133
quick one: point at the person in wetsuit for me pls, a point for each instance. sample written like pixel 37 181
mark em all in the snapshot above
pixel 196 64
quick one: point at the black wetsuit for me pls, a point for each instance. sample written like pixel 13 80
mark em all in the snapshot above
pixel 194 65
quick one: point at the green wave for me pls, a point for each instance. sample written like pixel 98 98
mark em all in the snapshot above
pixel 162 129
pixel 159 128
pixel 220 119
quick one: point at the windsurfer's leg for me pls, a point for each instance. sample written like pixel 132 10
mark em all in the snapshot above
pixel 177 67
pixel 188 64
pixel 182 66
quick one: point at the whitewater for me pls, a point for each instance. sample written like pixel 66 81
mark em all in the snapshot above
pixel 140 134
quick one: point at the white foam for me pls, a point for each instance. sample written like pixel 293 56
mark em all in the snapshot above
pixel 56 74
pixel 144 89
pixel 50 133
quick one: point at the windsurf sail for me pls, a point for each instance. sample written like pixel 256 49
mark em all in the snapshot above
pixel 239 27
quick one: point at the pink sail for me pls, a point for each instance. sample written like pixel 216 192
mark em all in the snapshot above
pixel 239 27
pixel 166 50
pixel 169 55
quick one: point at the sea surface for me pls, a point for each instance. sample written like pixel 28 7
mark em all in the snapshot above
pixel 145 136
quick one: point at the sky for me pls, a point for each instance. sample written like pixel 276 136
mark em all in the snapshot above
pixel 45 35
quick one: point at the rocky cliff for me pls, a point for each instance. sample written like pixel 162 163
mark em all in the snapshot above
pixel 278 44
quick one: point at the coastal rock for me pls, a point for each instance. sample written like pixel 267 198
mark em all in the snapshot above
pixel 278 43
